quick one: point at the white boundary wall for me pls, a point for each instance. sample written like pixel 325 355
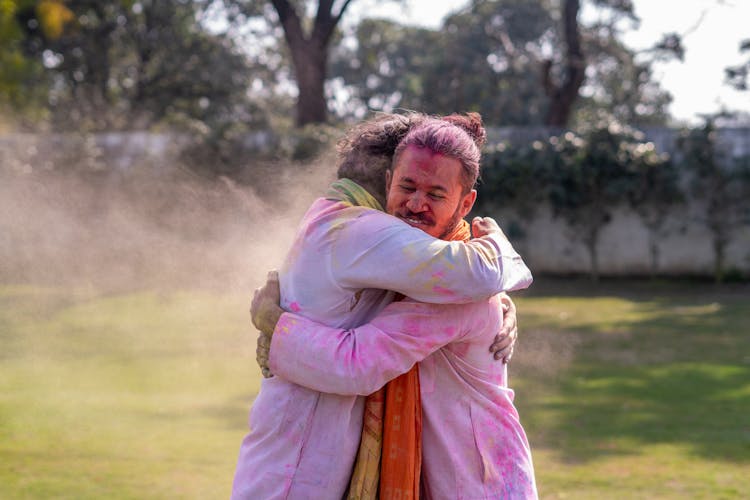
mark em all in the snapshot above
pixel 549 246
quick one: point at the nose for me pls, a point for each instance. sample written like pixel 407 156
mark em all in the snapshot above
pixel 416 202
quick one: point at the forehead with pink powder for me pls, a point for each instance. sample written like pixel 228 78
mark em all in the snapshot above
pixel 423 158
pixel 441 137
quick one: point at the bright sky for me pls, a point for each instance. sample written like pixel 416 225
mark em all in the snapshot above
pixel 712 32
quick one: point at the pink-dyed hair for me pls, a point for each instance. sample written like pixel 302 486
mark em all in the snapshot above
pixel 443 137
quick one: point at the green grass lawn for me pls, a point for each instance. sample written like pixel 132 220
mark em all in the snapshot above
pixel 626 390
pixel 636 390
pixel 136 395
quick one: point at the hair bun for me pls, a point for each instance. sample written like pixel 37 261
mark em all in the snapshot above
pixel 472 124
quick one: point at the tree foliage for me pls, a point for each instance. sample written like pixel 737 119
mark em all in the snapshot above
pixel 125 64
pixel 478 60
pixel 592 178
pixel 18 73
pixel 654 193
pixel 517 176
pixel 518 62
pixel 737 76
pixel 128 63
pixel 721 184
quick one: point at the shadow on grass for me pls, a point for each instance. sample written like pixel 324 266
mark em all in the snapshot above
pixel 617 410
pixel 658 364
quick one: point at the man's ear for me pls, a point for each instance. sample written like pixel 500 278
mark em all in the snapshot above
pixel 467 202
pixel 387 182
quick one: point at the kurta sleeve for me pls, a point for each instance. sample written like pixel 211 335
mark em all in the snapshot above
pixel 363 359
pixel 377 250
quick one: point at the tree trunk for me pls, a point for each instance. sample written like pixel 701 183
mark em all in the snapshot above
pixel 720 223
pixel 719 250
pixel 594 263
pixel 653 247
pixel 654 258
pixel 310 69
pixel 563 96
pixel 591 241
pixel 310 55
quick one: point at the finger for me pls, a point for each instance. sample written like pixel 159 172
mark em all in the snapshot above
pixel 498 338
pixel 255 300
pixel 509 321
pixel 500 347
pixel 257 297
pixel 500 343
pixel 501 355
pixel 262 363
pixel 504 353
pixel 263 349
pixel 508 330
pixel 272 276
pixel 263 342
pixel 263 346
pixel 506 302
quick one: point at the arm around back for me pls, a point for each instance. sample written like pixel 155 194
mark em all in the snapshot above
pixel 376 250
pixel 363 359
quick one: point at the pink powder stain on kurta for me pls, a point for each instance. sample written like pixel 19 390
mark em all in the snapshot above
pixel 294 307
pixel 443 291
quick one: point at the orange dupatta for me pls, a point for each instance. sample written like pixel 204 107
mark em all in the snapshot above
pixel 397 429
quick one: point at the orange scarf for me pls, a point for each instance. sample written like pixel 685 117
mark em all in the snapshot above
pixel 396 430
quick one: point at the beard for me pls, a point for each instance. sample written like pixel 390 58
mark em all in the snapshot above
pixel 452 223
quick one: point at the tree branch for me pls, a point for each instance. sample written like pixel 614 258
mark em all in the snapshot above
pixel 290 22
pixel 342 9
pixel 563 96
pixel 571 34
pixel 326 21
pixel 547 85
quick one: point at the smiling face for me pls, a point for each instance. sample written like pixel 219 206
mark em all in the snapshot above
pixel 425 191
